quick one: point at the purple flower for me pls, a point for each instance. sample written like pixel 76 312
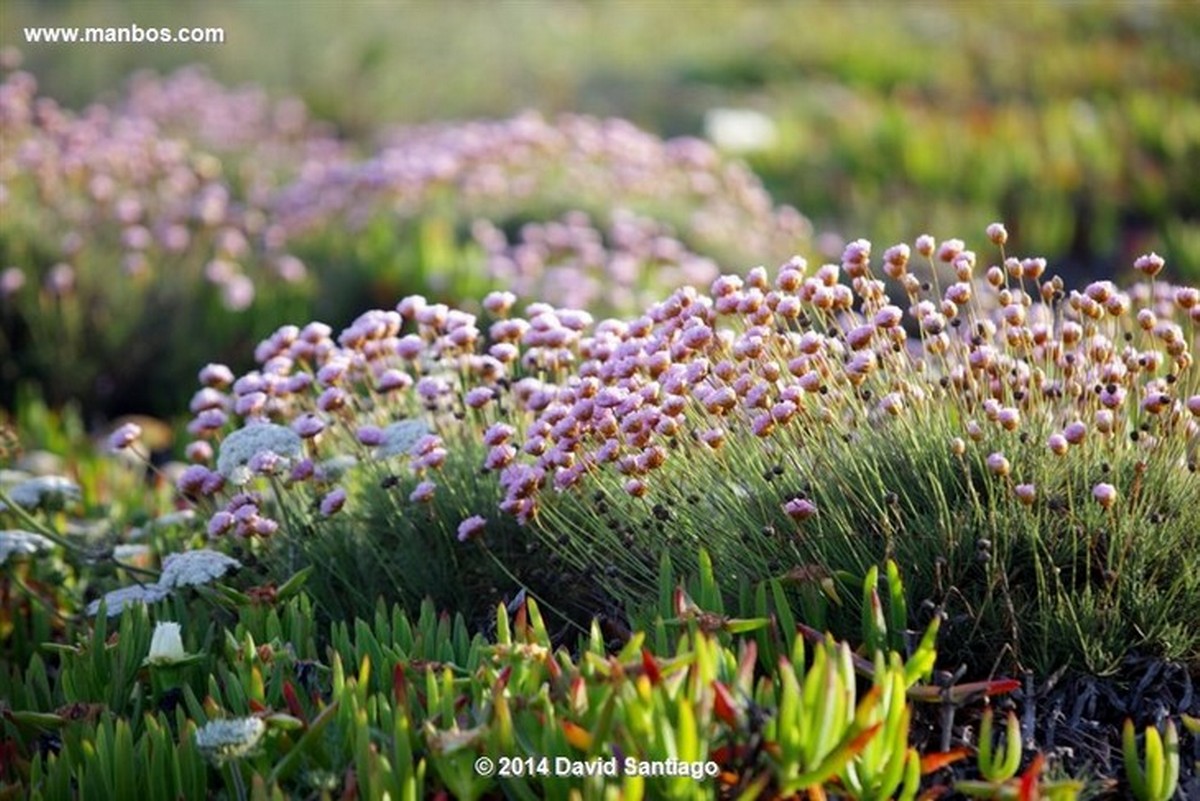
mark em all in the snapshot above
pixel 303 470
pixel 471 528
pixel 250 404
pixel 333 502
pixel 265 463
pixel 11 281
pixel 479 397
pixel 331 399
pixel 199 452
pixel 209 398
pixel 191 481
pixel 220 523
pixel 394 379
pixel 800 509
pixel 370 436
pixel 308 426
pixel 423 492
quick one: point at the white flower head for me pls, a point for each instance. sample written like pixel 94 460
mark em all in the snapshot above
pixel 52 492
pixel 166 645
pixel 242 445
pixel 117 600
pixel 25 543
pixel 335 467
pixel 130 550
pixel 193 568
pixel 400 437
pixel 232 738
pixel 182 517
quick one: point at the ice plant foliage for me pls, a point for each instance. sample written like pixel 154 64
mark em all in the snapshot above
pixel 767 388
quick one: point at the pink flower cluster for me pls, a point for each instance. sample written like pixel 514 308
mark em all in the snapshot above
pixel 144 176
pixel 571 162
pixel 570 262
pixel 559 401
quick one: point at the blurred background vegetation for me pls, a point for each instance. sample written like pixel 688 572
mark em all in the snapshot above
pixel 1078 124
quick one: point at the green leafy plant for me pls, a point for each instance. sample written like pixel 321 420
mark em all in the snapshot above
pixel 1152 775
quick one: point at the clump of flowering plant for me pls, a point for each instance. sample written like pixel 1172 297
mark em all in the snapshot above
pixel 802 418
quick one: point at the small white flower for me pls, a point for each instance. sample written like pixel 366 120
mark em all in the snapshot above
pixel 166 645
pixel 21 542
pixel 232 738
pixel 400 437
pixel 180 518
pixel 48 491
pixel 193 568
pixel 117 600
pixel 244 444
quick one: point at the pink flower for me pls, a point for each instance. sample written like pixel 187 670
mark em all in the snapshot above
pixel 392 379
pixel 208 398
pixel 499 303
pixel 479 397
pixel 207 421
pixel 997 233
pixel 500 456
pixel 1150 264
pixel 800 509
pixel 199 452
pixel 1105 494
pixel 250 404
pixel 998 464
pixel 471 528
pixel 1075 432
pixel 1027 493
pixel 423 493
pixel 1057 444
pixel 498 434
pixel 124 436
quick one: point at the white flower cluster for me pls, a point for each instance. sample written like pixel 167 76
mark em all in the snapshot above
pixel 244 444
pixel 335 467
pixel 21 542
pixel 116 601
pixel 193 568
pixel 400 437
pixel 48 491
pixel 221 740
